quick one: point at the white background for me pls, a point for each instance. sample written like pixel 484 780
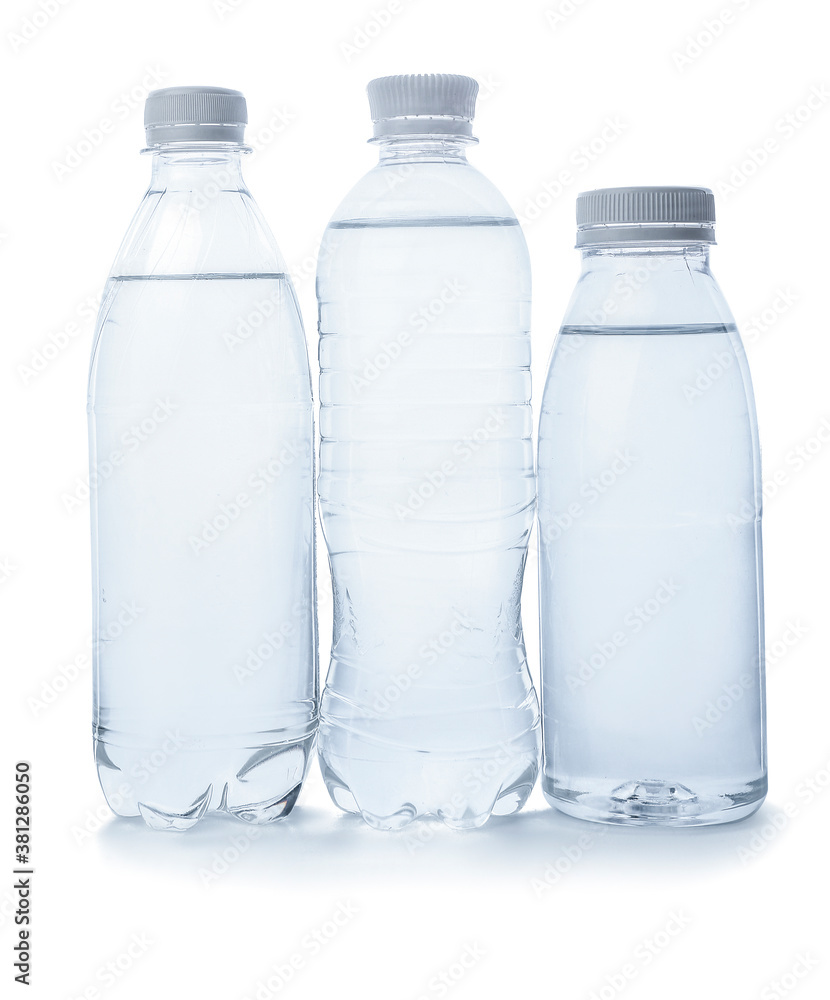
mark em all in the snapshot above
pixel 753 896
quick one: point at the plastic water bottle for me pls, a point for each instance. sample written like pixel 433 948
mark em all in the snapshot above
pixel 426 485
pixel 202 492
pixel 650 528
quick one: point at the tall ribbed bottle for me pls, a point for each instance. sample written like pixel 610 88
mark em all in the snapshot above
pixel 202 489
pixel 426 484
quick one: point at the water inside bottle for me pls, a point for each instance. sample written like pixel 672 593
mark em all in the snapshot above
pixel 650 564
pixel 427 497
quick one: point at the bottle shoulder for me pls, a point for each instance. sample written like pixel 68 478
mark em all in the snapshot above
pixel 670 291
pixel 422 190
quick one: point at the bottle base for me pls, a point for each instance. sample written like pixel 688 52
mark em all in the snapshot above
pixel 176 789
pixel 654 802
pixel 462 793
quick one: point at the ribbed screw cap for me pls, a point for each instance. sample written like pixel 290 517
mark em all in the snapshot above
pixel 423 103
pixel 195 114
pixel 645 214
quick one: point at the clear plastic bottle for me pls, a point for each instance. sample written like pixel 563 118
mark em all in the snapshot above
pixel 202 492
pixel 650 528
pixel 426 484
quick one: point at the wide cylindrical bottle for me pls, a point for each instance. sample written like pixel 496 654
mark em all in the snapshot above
pixel 426 480
pixel 202 491
pixel 650 528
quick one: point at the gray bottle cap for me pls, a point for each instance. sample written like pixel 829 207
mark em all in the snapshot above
pixel 645 215
pixel 195 114
pixel 423 104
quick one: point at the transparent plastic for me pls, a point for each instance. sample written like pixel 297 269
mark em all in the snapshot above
pixel 202 495
pixel 650 549
pixel 427 492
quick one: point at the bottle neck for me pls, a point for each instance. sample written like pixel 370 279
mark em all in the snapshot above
pixel 197 216
pixel 422 148
pixel 649 257
pixel 207 167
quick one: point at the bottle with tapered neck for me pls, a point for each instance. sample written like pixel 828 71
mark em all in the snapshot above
pixel 202 492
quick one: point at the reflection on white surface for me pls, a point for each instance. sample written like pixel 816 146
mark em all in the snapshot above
pixel 539 848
